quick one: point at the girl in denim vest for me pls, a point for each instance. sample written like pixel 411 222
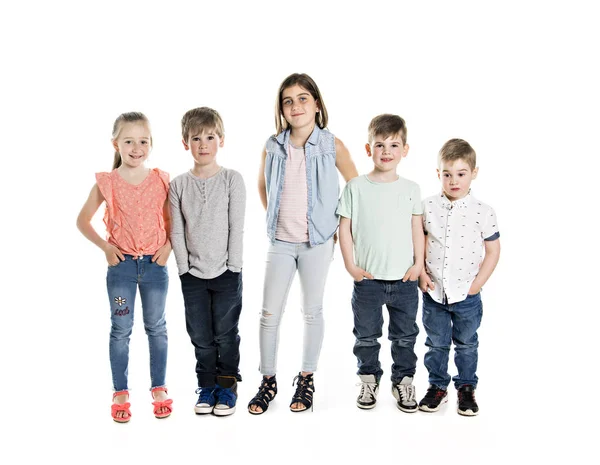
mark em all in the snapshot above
pixel 299 188
pixel 136 249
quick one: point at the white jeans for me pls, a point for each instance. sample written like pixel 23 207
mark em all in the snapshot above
pixel 312 263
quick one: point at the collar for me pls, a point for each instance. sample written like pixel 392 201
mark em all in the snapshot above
pixel 460 203
pixel 284 137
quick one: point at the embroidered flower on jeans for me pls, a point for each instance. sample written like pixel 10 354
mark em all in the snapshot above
pixel 120 300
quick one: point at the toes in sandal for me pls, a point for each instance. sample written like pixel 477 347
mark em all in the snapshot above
pixel 116 408
pixel 164 405
pixel 305 387
pixel 266 393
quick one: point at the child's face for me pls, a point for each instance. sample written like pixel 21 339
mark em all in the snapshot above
pixel 387 152
pixel 204 146
pixel 456 178
pixel 299 107
pixel 133 143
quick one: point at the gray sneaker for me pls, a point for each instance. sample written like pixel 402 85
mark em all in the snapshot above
pixel 369 387
pixel 404 392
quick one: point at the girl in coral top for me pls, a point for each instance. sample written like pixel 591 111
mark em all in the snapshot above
pixel 137 248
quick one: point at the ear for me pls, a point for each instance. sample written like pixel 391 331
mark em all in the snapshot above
pixel 368 149
pixel 187 147
pixel 406 147
pixel 439 174
pixel 475 171
pixel 222 141
pixel 115 144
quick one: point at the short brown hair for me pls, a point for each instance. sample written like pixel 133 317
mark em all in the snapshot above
pixel 387 125
pixel 458 149
pixel 306 82
pixel 201 119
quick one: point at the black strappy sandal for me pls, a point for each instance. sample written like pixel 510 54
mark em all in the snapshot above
pixel 305 387
pixel 266 393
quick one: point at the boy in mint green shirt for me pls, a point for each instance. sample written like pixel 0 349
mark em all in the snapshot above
pixel 382 242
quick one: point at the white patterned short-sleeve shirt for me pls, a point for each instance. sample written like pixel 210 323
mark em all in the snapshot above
pixel 455 235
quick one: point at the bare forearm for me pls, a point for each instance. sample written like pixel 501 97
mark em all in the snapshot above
pixel 90 233
pixel 346 244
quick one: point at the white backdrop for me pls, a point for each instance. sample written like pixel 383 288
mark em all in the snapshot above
pixel 518 80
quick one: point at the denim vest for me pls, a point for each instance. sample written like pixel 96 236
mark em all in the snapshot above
pixel 321 179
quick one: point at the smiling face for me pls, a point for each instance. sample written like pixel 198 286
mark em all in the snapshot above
pixel 299 107
pixel 204 145
pixel 456 177
pixel 133 143
pixel 387 151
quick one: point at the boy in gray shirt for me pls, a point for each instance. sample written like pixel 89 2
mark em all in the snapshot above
pixel 208 205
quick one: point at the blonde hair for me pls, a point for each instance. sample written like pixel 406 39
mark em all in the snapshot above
pixel 131 117
pixel 387 125
pixel 458 149
pixel 201 119
pixel 306 82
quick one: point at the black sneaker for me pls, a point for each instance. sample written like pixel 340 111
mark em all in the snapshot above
pixel 369 387
pixel 434 398
pixel 404 392
pixel 467 405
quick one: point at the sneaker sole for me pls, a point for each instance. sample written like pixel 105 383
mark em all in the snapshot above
pixel 203 410
pixel 223 412
pixel 365 407
pixel 403 409
pixel 467 413
pixel 425 408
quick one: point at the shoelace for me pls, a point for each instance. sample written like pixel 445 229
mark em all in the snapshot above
pixel 303 385
pixel 367 391
pixel 226 396
pixel 466 396
pixel 407 390
pixel 206 395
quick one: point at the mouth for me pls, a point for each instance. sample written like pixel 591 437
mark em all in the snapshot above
pixel 386 160
pixel 136 157
pixel 454 189
pixel 296 114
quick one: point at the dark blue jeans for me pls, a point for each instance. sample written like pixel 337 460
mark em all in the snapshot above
pixel 212 314
pixel 447 323
pixel 402 302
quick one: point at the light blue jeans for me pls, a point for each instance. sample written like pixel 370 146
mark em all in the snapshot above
pixel 312 263
pixel 122 282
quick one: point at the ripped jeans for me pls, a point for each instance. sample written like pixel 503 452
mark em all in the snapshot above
pixel 312 263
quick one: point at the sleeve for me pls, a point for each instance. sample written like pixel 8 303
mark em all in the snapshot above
pixel 490 228
pixel 105 186
pixel 237 213
pixel 178 242
pixel 164 177
pixel 416 200
pixel 345 203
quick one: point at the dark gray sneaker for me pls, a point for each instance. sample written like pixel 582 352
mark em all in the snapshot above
pixel 404 392
pixel 369 387
pixel 433 400
pixel 467 406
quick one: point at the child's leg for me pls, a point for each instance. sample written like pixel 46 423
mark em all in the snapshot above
pixel 367 300
pixel 121 284
pixel 313 266
pixel 154 283
pixel 199 324
pixel 226 307
pixel 402 301
pixel 466 318
pixel 437 322
pixel 279 273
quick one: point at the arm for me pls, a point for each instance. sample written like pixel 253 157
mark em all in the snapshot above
pixel 177 222
pixel 492 255
pixel 237 211
pixel 343 161
pixel 262 184
pixel 84 224
pixel 413 273
pixel 358 274
pixel 162 254
pixel 425 281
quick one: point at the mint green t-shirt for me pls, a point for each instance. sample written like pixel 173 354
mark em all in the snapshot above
pixel 381 215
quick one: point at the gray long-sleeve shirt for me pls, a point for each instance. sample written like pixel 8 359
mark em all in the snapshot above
pixel 207 223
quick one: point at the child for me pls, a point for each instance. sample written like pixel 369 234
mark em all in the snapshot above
pixel 381 220
pixel 136 249
pixel 298 186
pixel 208 205
pixel 458 227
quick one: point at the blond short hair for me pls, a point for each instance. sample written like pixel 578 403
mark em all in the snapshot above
pixel 458 149
pixel 199 120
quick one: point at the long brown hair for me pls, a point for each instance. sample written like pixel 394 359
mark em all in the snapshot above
pixel 123 118
pixel 306 82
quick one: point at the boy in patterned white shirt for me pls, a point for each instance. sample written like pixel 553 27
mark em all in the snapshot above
pixel 458 229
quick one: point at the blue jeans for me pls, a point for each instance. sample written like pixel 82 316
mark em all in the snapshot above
pixel 122 281
pixel 312 264
pixel 402 302
pixel 447 323
pixel 212 314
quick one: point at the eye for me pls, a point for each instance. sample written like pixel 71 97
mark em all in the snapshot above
pixel 395 146
pixel 461 174
pixel 303 99
pixel 128 142
pixel 144 142
pixel 446 175
pixel 287 102
pixel 211 137
pixel 195 139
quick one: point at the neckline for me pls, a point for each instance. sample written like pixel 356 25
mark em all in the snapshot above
pixel 130 184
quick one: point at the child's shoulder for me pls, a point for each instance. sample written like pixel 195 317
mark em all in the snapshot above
pixel 409 183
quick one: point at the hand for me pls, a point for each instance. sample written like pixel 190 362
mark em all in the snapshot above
pixel 162 255
pixel 413 273
pixel 113 255
pixel 335 237
pixel 358 274
pixel 474 289
pixel 425 282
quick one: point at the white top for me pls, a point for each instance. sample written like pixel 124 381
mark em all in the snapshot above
pixel 455 232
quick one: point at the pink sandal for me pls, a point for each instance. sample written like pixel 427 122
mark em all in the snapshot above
pixel 164 404
pixel 116 408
